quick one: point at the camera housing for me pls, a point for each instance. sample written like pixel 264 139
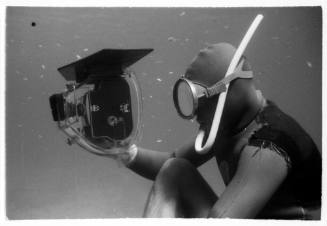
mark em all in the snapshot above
pixel 101 106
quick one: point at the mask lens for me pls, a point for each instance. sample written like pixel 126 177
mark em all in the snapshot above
pixel 185 99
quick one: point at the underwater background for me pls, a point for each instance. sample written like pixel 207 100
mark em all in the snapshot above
pixel 46 178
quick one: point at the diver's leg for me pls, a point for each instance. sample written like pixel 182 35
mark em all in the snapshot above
pixel 179 191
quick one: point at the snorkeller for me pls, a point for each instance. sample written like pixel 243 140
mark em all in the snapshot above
pixel 269 164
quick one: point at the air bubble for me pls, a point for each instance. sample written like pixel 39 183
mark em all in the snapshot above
pixel 309 64
pixel 172 39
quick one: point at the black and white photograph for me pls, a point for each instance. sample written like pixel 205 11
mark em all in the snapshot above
pixel 163 112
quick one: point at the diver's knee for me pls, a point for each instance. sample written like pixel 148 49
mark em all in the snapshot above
pixel 174 169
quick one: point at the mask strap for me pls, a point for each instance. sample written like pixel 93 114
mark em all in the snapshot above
pixel 220 86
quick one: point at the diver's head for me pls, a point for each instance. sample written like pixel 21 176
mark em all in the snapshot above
pixel 208 70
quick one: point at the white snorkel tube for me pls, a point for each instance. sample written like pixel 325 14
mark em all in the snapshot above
pixel 222 97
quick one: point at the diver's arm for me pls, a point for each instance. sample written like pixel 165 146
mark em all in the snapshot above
pixel 258 176
pixel 188 152
pixel 147 163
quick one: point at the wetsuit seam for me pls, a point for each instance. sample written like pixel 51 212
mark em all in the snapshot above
pixel 273 147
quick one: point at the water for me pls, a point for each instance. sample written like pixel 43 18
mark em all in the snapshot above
pixel 46 178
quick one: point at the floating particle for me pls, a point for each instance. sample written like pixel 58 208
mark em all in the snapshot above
pixel 58 44
pixel 187 39
pixel 158 140
pixel 150 96
pixel 40 45
pixel 25 78
pixel 169 130
pixel 182 13
pixel 159 79
pixel 309 64
pixel 29 98
pixel 152 116
pixel 226 27
pixel 78 56
pixel 158 62
pixel 20 125
pixel 206 32
pixel 275 38
pixel 288 57
pixel 171 72
pixel 144 74
pixel 172 39
pixel 39 136
pixel 17 72
pixel 12 40
pixel 43 66
pixel 86 49
pixel 42 76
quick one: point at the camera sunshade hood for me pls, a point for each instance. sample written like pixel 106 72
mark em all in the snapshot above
pixel 104 63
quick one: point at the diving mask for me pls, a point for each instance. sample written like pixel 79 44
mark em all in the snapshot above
pixel 189 96
pixel 101 107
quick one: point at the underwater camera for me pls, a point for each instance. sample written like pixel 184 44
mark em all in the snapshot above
pixel 101 107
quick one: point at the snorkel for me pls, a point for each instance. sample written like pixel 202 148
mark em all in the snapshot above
pixel 222 97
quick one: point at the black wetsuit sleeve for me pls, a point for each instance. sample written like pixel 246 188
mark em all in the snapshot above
pixel 282 134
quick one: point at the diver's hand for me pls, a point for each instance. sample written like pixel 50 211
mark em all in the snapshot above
pixel 129 154
pixel 124 155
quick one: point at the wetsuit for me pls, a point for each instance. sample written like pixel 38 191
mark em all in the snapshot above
pixel 300 193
